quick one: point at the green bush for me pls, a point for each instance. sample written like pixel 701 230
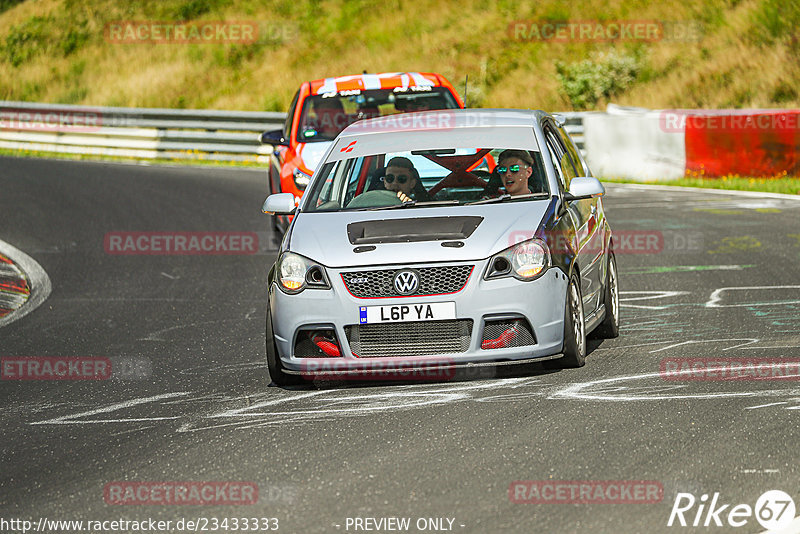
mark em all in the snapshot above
pixel 73 40
pixel 35 36
pixel 25 41
pixel 602 76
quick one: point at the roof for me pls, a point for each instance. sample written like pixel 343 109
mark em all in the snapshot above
pixel 383 80
pixel 456 128
pixel 444 120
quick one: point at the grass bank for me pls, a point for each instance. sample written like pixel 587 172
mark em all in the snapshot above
pixel 785 184
pixel 710 54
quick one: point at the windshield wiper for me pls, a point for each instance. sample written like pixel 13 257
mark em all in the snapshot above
pixel 413 203
pixel 506 196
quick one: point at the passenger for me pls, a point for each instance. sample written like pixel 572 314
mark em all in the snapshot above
pixel 515 167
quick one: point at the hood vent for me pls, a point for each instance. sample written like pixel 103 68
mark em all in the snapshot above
pixel 407 230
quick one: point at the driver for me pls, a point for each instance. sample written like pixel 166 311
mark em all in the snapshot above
pixel 402 178
pixel 331 118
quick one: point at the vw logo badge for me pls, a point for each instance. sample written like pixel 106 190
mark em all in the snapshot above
pixel 406 282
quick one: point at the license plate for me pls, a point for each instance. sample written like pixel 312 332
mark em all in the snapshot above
pixel 433 311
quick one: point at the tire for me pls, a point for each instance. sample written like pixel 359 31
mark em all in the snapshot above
pixel 277 372
pixel 574 348
pixel 609 328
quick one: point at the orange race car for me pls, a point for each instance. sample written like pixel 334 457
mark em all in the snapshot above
pixel 322 108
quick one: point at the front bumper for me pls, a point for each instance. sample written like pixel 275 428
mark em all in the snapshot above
pixel 540 301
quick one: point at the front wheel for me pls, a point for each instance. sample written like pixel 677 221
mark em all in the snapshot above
pixel 574 349
pixel 277 372
pixel 609 328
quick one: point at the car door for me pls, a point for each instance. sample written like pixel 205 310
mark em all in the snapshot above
pixel 599 230
pixel 583 213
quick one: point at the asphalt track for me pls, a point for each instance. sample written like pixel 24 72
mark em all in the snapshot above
pixel 724 282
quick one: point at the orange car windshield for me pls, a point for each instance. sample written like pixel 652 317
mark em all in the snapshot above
pixel 324 116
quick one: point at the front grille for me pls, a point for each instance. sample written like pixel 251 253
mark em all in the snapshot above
pixel 506 333
pixel 432 281
pixel 409 339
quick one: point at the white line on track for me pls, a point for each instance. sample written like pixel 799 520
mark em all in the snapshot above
pixel 765 405
pixel 715 298
pixel 71 419
pixel 575 391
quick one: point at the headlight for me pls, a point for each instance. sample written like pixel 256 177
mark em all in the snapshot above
pixel 528 259
pixel 296 273
pixel 524 261
pixel 301 179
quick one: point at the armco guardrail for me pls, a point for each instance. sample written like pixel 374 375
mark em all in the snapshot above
pixel 146 133
pixel 150 133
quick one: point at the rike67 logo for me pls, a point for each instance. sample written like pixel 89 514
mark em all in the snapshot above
pixel 774 510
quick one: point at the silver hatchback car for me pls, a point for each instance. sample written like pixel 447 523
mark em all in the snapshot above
pixel 444 239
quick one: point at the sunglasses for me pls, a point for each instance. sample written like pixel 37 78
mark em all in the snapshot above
pixel 401 179
pixel 513 168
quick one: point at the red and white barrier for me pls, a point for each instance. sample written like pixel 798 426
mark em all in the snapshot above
pixel 746 142
pixel 644 144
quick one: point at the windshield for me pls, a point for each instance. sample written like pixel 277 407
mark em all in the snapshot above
pixel 422 178
pixel 324 116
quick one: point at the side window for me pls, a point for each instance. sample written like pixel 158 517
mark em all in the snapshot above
pixel 562 184
pixel 335 177
pixel 327 180
pixel 561 159
pixel 572 150
pixel 287 127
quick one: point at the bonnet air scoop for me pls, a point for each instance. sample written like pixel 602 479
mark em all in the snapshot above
pixel 406 230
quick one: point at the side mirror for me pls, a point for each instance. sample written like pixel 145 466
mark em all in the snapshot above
pixel 584 187
pixel 273 137
pixel 280 203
